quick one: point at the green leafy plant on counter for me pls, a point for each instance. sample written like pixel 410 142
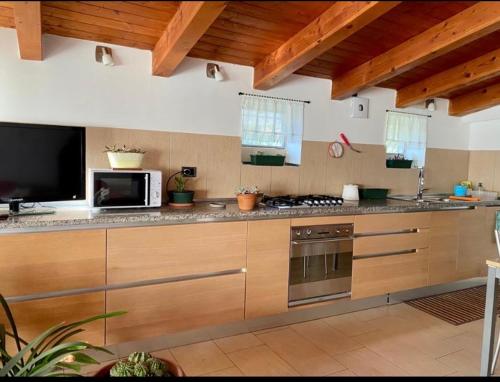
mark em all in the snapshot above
pixel 180 183
pixel 48 355
pixel 140 365
pixel 123 149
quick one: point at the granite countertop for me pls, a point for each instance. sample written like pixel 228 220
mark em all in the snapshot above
pixel 82 218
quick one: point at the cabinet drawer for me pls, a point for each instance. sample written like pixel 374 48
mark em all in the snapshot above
pixel 391 222
pixel 372 245
pixel 322 220
pixel 166 308
pixel 387 274
pixel 136 254
pixel 52 261
pixel 34 317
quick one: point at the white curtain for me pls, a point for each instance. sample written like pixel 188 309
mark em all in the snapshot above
pixel 275 123
pixel 406 134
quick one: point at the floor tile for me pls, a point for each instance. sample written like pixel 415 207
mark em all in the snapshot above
pixel 326 337
pixel 239 342
pixel 201 358
pixel 231 372
pixel 261 361
pixel 364 362
pixel 343 373
pixel 303 355
pixel 347 325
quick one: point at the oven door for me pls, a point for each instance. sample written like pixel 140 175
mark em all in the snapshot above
pixel 320 269
pixel 120 189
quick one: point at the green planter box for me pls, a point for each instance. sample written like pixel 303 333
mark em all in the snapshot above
pixel 267 160
pixel 373 193
pixel 398 163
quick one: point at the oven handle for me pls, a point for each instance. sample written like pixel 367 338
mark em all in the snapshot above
pixel 319 241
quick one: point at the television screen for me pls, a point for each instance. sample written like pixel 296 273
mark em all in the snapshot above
pixel 41 163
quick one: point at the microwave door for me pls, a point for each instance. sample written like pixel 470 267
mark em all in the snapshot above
pixel 120 190
pixel 146 198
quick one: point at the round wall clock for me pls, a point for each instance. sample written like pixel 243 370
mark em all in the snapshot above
pixel 335 149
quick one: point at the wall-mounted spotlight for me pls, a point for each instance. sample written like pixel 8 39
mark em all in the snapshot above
pixel 104 55
pixel 430 104
pixel 213 71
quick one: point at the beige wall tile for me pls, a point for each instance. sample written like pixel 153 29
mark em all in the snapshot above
pixel 481 168
pixel 259 176
pixel 223 166
pixel 312 170
pixel 340 171
pixel 190 150
pixel 284 180
pixel 444 168
pixel 496 175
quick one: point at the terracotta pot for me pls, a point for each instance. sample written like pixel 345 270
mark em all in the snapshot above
pixel 246 202
pixel 174 369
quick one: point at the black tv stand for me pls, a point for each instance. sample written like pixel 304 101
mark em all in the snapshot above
pixel 15 209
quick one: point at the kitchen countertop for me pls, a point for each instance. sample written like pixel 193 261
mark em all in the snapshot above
pixel 82 218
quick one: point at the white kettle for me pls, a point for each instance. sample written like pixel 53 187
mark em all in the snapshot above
pixel 350 192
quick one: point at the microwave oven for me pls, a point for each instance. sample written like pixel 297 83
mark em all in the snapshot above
pixel 124 188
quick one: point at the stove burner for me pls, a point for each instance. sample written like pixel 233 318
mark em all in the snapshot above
pixel 288 201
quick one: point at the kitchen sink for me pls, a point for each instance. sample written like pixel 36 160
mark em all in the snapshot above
pixel 431 198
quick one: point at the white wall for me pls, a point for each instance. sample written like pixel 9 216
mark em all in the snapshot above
pixel 69 87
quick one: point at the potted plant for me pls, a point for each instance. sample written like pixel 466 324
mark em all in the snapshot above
pixel 181 195
pixel 141 365
pixel 398 161
pixel 247 197
pixel 49 354
pixel 124 157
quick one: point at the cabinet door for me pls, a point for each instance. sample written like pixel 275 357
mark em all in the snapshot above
pixel 34 317
pixel 443 249
pixel 477 241
pixel 267 267
pixel 374 276
pixel 172 307
pixel 52 261
pixel 136 254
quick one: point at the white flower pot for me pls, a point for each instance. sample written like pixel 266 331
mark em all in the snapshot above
pixel 125 160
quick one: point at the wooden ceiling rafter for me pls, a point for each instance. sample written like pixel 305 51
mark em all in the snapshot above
pixel 470 24
pixel 188 25
pixel 334 25
pixel 472 72
pixel 474 101
pixel 28 24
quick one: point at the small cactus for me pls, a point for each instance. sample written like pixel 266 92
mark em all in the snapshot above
pixel 141 370
pixel 157 367
pixel 122 369
pixel 139 357
pixel 140 364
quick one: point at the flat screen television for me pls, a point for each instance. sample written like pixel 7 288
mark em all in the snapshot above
pixel 41 163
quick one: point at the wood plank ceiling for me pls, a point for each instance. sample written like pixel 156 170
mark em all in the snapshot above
pixel 424 49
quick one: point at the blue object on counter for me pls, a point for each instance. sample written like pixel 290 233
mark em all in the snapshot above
pixel 460 190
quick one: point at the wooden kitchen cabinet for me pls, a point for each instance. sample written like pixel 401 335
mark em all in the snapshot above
pixel 374 276
pixel 161 309
pixel 146 253
pixel 34 317
pixel 390 243
pixel 52 261
pixel 380 223
pixel 267 267
pixel 444 246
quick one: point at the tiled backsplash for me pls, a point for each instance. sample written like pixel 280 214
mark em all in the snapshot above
pixel 220 170
pixel 484 167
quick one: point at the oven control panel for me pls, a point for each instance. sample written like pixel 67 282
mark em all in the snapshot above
pixel 322 231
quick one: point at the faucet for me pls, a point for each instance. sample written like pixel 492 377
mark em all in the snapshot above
pixel 420 185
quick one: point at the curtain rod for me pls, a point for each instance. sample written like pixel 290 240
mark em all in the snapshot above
pixel 263 96
pixel 403 112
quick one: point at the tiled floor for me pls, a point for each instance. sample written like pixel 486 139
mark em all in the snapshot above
pixel 387 341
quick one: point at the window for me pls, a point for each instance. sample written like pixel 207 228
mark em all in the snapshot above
pixel 406 135
pixel 271 126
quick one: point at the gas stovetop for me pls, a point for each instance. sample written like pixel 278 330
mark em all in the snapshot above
pixel 301 201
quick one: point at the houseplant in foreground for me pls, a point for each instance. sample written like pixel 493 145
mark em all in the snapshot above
pixel 125 157
pixel 247 196
pixel 141 365
pixel 181 195
pixel 48 355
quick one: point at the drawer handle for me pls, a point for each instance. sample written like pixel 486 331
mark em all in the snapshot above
pixel 386 254
pixel 402 231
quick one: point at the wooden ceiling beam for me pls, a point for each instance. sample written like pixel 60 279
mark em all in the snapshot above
pixel 338 22
pixel 470 73
pixel 475 101
pixel 28 23
pixel 472 23
pixel 191 21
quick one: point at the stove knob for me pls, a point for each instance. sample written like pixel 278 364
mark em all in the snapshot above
pixel 316 202
pixel 322 202
pixel 308 232
pixel 337 231
pixel 340 201
pixel 298 233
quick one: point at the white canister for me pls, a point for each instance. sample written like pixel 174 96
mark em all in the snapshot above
pixel 350 192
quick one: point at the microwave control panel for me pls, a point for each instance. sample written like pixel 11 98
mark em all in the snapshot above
pixel 155 189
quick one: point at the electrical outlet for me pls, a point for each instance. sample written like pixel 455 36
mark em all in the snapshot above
pixel 188 172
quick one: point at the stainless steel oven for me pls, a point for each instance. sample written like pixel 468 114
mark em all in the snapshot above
pixel 320 263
